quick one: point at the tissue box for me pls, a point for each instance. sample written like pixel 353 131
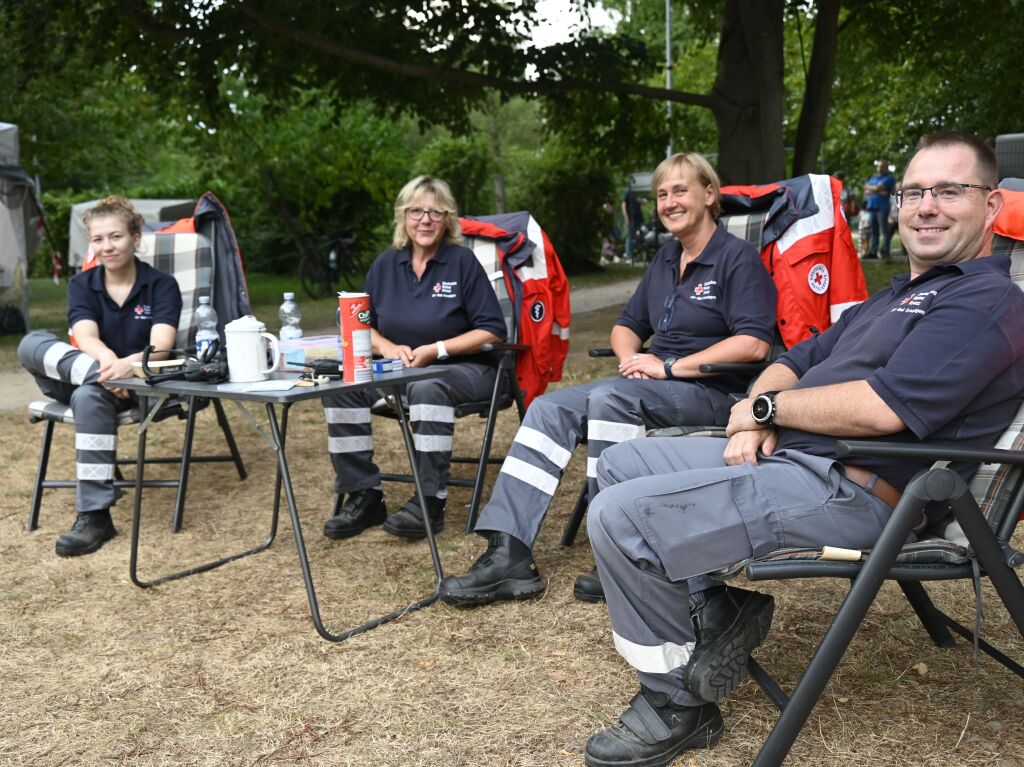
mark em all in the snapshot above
pixel 385 366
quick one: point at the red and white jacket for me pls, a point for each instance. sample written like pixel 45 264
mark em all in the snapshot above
pixel 514 247
pixel 807 247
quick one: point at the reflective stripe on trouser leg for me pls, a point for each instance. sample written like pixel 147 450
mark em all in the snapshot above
pixel 623 409
pixel 350 440
pixel 57 366
pixel 95 411
pixel 432 417
pixel 535 462
pixel 651 626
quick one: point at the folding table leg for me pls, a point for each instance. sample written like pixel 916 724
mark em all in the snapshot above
pixel 229 437
pixel 186 460
pixel 140 463
pixel 300 545
pixel 44 463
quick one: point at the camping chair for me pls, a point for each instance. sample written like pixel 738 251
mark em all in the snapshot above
pixel 506 390
pixel 746 226
pixel 975 543
pixel 189 258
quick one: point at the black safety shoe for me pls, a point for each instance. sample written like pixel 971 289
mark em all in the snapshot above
pixel 506 570
pixel 91 530
pixel 652 732
pixel 730 624
pixel 362 509
pixel 407 522
pixel 588 588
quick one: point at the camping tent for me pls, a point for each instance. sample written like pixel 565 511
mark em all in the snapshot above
pixel 19 236
pixel 152 212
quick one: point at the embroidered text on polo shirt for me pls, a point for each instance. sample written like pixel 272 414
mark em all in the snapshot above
pixel 704 291
pixel 445 289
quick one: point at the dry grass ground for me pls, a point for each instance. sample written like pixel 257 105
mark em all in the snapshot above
pixel 225 668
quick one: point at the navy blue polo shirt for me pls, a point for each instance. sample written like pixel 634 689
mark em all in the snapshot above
pixel 154 299
pixel 453 297
pixel 945 351
pixel 723 292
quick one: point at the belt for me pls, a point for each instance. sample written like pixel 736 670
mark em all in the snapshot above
pixel 874 484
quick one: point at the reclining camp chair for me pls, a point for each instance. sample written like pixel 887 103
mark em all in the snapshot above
pixel 513 251
pixel 189 258
pixel 973 542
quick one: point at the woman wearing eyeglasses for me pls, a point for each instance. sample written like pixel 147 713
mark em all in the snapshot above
pixel 431 303
pixel 706 298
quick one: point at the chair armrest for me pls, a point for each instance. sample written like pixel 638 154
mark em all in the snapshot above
pixel 748 368
pixel 501 346
pixel 601 351
pixel 847 448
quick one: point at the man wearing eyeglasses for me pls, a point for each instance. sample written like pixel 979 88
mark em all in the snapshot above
pixel 938 357
pixel 877 193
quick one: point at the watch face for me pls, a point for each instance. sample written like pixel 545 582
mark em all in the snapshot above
pixel 761 409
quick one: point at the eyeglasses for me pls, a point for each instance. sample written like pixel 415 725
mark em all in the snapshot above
pixel 417 213
pixel 947 193
pixel 666 319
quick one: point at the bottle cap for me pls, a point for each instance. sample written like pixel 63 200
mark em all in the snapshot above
pixel 204 299
pixel 289 296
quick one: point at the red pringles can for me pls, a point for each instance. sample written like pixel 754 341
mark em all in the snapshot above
pixel 356 348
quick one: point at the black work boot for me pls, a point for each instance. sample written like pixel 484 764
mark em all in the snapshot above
pixel 407 522
pixel 362 509
pixel 588 588
pixel 653 731
pixel 506 570
pixel 91 530
pixel 729 625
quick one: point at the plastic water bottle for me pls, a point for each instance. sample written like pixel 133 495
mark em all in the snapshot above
pixel 206 325
pixel 291 319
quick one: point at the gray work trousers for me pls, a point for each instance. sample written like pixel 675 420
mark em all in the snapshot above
pixel 670 509
pixel 68 375
pixel 431 414
pixel 604 413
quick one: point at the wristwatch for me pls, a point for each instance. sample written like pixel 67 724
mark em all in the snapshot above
pixel 669 362
pixel 763 409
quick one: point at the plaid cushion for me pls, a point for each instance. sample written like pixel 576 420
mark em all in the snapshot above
pixel 58 412
pixel 746 226
pixel 486 252
pixel 189 259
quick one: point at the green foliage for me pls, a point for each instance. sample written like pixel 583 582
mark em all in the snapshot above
pixel 466 163
pixel 293 170
pixel 565 189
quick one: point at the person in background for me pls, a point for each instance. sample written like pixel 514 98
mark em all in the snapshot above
pixel 431 303
pixel 877 193
pixel 114 312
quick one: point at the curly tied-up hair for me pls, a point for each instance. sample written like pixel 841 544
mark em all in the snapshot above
pixel 116 206
pixel 442 195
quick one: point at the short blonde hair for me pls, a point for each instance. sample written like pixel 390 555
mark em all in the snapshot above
pixel 700 166
pixel 442 193
pixel 118 207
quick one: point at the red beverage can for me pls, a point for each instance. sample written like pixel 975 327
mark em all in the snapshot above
pixel 356 347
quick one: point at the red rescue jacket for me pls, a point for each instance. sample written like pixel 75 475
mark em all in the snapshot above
pixel 538 292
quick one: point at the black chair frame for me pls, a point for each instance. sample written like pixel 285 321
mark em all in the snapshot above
pixel 506 392
pixel 184 409
pixel 989 540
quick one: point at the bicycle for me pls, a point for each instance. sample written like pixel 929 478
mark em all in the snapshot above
pixel 331 264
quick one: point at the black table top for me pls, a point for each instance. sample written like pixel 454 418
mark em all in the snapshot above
pixel 236 391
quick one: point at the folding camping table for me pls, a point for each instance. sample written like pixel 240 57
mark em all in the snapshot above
pixel 391 384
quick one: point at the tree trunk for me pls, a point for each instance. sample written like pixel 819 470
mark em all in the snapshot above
pixel 748 92
pixel 499 177
pixel 810 131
